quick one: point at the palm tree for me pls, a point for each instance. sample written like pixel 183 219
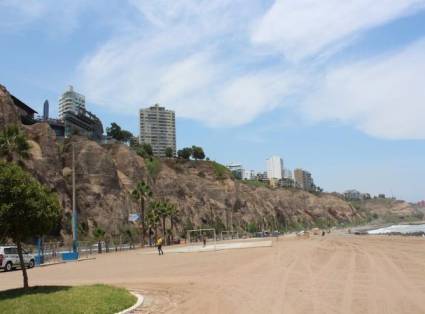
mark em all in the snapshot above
pixel 173 212
pixel 164 212
pixel 140 194
pixel 13 144
pixel 152 219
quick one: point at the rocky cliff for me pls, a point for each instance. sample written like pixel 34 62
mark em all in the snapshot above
pixel 205 193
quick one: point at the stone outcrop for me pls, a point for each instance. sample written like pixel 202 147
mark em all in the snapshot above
pixel 8 113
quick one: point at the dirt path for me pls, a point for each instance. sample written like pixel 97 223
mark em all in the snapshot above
pixel 334 274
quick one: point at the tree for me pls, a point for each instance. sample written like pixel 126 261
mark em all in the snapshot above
pixel 153 219
pixel 13 144
pixel 184 153
pixel 27 209
pixel 140 194
pixel 163 212
pixel 173 212
pixel 119 134
pixel 145 150
pixel 134 142
pixel 169 152
pixel 99 235
pixel 198 153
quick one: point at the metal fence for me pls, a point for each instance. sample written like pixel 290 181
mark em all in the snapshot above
pixel 52 252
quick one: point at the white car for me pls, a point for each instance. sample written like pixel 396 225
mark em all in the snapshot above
pixel 9 258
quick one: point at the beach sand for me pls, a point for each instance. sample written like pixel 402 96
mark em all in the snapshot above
pixel 331 274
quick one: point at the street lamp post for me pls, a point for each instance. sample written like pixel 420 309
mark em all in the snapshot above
pixel 74 207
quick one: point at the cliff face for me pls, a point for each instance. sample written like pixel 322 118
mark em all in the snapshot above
pixel 8 112
pixel 205 194
pixel 392 210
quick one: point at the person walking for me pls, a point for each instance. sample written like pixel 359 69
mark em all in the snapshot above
pixel 159 245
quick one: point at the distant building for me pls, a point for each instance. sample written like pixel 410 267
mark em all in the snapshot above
pixel 249 175
pixel 46 110
pixel 75 119
pixel 262 176
pixel 158 128
pixel 71 101
pixel 83 122
pixel 303 180
pixel 25 112
pixel 246 175
pixel 275 167
pixel 366 196
pixel 381 195
pixel 236 169
pixel 352 195
pixel 286 183
pixel 287 174
pixel 274 182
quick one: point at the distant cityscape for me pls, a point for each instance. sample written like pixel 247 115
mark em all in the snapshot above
pixel 157 128
pixel 276 175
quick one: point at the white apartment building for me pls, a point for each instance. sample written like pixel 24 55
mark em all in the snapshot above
pixel 275 168
pixel 71 101
pixel 158 128
pixel 249 175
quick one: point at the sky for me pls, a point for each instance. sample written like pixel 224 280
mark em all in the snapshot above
pixel 333 87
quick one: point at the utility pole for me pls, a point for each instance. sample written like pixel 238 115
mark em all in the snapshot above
pixel 74 207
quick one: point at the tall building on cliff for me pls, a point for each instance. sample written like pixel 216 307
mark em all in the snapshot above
pixel 275 168
pixel 71 101
pixel 75 119
pixel 158 128
pixel 303 179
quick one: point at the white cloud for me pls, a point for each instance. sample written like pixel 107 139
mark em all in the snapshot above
pixel 304 28
pixel 50 16
pixel 188 56
pixel 384 96
pixel 14 13
pixel 202 59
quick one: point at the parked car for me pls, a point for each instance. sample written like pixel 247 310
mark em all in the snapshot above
pixel 9 258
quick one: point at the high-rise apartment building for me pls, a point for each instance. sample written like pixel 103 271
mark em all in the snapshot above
pixel 71 101
pixel 158 128
pixel 275 168
pixel 303 179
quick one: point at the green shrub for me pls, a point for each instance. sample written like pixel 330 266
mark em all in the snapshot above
pixel 220 171
pixel 255 183
pixel 154 166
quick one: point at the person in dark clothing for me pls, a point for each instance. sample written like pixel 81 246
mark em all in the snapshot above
pixel 159 245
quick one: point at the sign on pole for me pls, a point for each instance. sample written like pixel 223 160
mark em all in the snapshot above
pixel 133 217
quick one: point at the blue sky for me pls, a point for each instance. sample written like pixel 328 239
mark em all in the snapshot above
pixel 335 87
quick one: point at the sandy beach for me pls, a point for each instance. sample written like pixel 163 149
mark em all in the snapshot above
pixel 332 274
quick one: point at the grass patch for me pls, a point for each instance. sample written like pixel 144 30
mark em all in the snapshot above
pixel 220 171
pixel 97 299
pixel 255 183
